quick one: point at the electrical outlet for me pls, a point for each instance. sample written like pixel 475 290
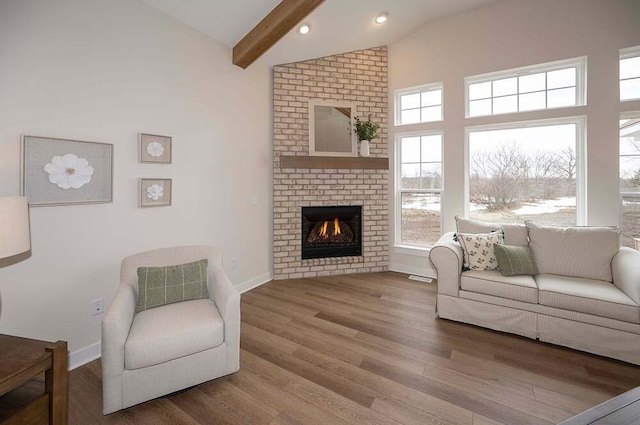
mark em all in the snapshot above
pixel 234 263
pixel 253 200
pixel 97 306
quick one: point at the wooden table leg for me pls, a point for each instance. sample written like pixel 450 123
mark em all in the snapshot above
pixel 57 384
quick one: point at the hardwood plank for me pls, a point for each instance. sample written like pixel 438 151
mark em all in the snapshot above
pixel 389 390
pixel 282 19
pixel 408 414
pixel 358 349
pixel 502 396
pixel 446 392
pixel 586 393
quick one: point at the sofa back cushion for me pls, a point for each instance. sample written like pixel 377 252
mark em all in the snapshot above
pixel 574 251
pixel 514 234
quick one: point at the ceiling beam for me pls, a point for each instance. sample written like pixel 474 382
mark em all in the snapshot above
pixel 282 19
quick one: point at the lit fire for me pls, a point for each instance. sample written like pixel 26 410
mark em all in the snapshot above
pixel 325 226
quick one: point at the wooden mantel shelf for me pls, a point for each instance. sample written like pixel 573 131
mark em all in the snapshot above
pixel 333 162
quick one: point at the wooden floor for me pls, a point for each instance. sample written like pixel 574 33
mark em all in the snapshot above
pixel 368 349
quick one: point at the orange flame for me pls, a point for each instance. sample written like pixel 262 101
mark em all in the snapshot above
pixel 325 226
pixel 323 229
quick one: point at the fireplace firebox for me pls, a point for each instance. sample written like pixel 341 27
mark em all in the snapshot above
pixel 331 231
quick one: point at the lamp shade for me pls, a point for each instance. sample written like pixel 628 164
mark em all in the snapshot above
pixel 15 239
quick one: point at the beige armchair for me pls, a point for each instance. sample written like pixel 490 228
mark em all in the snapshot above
pixel 165 349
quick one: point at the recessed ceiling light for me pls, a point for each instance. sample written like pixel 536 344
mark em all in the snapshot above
pixel 382 18
pixel 304 29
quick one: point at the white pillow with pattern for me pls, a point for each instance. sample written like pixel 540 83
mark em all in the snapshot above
pixel 478 249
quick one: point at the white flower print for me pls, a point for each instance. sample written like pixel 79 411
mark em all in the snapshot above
pixel 155 149
pixel 155 192
pixel 69 171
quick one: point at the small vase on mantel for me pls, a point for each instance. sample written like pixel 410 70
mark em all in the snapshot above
pixel 364 148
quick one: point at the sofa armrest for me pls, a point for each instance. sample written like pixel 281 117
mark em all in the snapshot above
pixel 446 258
pixel 227 298
pixel 626 272
pixel 115 330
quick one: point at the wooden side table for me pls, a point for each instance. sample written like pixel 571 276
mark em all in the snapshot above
pixel 21 360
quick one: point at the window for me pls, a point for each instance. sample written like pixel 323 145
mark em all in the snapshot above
pixel 419 188
pixel 630 73
pixel 552 85
pixel 630 180
pixel 418 105
pixel 526 171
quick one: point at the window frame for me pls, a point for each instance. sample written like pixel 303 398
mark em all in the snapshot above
pixel 398 191
pixel 580 63
pixel 623 195
pixel 581 156
pixel 629 52
pixel 417 90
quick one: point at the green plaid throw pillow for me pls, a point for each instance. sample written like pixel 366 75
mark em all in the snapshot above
pixel 515 260
pixel 158 286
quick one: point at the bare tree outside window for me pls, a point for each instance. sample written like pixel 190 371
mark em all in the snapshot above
pixel 630 181
pixel 524 173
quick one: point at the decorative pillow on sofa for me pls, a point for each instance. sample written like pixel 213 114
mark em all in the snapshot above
pixel 158 286
pixel 574 251
pixel 478 249
pixel 515 260
pixel 514 234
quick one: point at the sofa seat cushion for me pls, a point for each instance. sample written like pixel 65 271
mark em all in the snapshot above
pixel 589 296
pixel 172 331
pixel 491 282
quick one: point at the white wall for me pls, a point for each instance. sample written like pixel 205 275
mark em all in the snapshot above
pixel 104 71
pixel 510 34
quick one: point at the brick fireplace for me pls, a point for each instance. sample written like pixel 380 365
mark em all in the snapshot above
pixel 359 77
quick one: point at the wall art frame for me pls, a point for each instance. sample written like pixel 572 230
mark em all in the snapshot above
pixel 57 172
pixel 155 192
pixel 154 149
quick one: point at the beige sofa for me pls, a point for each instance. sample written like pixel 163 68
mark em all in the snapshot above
pixel 587 295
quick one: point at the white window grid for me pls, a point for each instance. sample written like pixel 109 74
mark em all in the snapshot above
pixel 628 54
pixel 579 64
pixel 421 108
pixel 400 190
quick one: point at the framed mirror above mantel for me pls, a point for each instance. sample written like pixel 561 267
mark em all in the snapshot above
pixel 330 128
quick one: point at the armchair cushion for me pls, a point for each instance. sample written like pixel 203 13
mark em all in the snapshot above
pixel 158 286
pixel 172 331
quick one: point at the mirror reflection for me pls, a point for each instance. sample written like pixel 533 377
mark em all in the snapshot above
pixel 330 130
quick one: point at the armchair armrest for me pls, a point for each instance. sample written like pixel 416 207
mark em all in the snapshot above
pixel 227 298
pixel 626 272
pixel 446 258
pixel 115 330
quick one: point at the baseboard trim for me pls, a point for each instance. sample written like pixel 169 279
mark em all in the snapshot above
pixel 417 270
pixel 255 282
pixel 84 355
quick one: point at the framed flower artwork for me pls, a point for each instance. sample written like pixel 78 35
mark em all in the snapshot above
pixel 155 149
pixel 155 192
pixel 66 172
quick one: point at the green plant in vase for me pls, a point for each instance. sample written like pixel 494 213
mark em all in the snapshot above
pixel 366 132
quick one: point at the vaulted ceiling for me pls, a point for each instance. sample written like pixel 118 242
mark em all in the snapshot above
pixel 336 26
